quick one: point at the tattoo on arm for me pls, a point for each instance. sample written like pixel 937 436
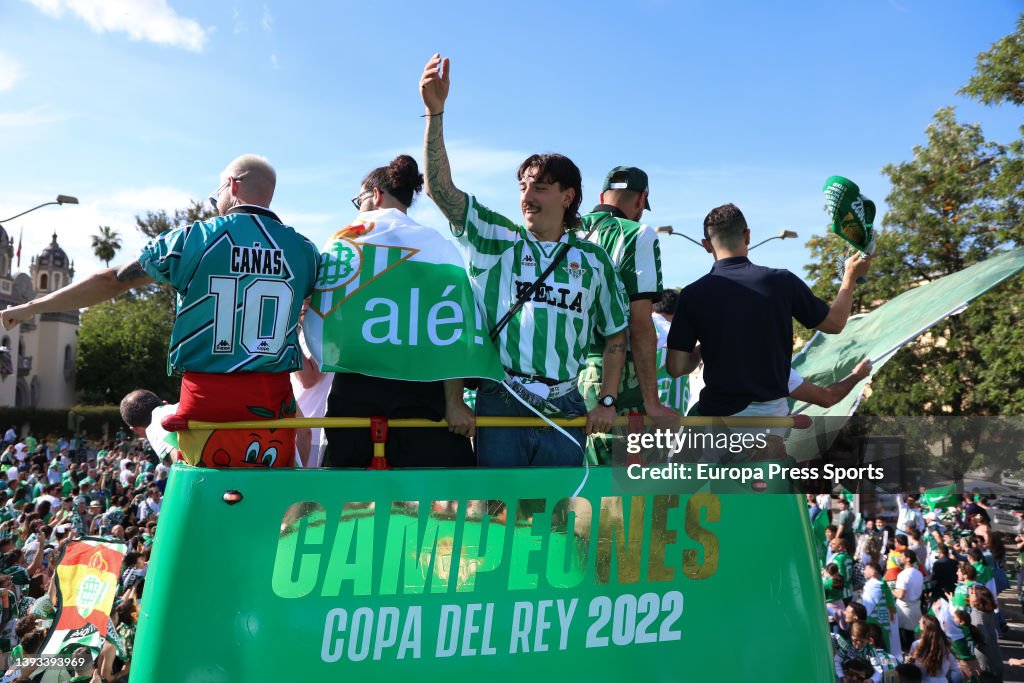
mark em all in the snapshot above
pixel 450 199
pixel 131 271
pixel 617 347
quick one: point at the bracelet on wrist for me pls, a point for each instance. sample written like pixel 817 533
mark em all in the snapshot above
pixel 424 116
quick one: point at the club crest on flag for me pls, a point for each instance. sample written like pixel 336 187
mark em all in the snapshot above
pixel 340 264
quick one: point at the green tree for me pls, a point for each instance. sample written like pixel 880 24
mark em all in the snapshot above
pixel 958 201
pixel 156 222
pixel 946 212
pixel 123 343
pixel 106 244
pixel 123 346
pixel 999 75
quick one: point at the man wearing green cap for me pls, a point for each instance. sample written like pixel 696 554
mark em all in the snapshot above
pixel 633 247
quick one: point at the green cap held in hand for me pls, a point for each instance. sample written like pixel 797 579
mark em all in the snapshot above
pixel 852 214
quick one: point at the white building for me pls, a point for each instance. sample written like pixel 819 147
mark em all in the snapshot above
pixel 37 358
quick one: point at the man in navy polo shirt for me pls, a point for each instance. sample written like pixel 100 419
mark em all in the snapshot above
pixel 742 316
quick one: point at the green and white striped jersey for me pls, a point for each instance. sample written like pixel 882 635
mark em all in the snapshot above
pixel 550 335
pixel 634 249
pixel 845 564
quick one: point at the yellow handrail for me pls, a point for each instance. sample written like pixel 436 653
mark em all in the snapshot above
pixel 364 422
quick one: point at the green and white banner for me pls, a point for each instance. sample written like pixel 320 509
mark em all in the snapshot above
pixel 435 575
pixel 393 300
pixel 878 335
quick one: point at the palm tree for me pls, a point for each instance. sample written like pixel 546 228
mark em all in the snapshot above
pixel 106 244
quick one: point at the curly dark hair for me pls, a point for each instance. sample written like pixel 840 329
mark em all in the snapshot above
pixel 557 168
pixel 401 179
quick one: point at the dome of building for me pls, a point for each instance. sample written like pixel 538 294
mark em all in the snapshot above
pixel 53 256
pixel 5 240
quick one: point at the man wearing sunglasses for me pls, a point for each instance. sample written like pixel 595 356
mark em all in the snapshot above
pixel 241 278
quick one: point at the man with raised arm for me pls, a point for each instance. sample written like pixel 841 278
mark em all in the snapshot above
pixel 241 279
pixel 545 292
pixel 741 314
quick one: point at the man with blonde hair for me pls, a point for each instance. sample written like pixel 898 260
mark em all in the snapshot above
pixel 241 278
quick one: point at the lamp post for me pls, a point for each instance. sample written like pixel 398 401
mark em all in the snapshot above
pixel 667 230
pixel 783 235
pixel 61 199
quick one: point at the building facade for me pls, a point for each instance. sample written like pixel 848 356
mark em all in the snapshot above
pixel 37 358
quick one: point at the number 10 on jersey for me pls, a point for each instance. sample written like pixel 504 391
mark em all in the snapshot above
pixel 264 304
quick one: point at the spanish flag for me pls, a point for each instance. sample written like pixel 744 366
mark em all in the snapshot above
pixel 87 575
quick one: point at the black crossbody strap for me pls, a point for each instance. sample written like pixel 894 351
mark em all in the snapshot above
pixel 525 296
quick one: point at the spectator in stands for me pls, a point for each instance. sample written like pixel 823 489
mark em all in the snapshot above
pixel 931 651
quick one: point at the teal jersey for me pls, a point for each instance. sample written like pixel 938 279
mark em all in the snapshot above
pixel 241 280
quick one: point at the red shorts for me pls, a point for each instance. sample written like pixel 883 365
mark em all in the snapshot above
pixel 233 397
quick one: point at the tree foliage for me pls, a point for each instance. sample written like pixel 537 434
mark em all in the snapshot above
pixel 954 204
pixel 156 222
pixel 123 343
pixel 106 244
pixel 999 75
pixel 123 346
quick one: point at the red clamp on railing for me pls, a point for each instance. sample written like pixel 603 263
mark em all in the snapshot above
pixel 636 426
pixel 379 436
pixel 802 421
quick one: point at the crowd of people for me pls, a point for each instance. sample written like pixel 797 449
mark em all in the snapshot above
pixel 54 491
pixel 918 600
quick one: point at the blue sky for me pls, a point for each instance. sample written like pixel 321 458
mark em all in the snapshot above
pixel 136 105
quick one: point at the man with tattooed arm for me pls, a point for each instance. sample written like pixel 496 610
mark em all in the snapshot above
pixel 241 278
pixel 544 290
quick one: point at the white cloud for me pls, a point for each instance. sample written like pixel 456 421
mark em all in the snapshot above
pixel 150 20
pixel 273 60
pixel 10 72
pixel 268 19
pixel 37 116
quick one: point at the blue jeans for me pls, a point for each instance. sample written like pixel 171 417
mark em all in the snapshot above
pixel 526 446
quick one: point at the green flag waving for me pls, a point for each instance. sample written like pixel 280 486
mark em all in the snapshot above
pixel 941 497
pixel 393 300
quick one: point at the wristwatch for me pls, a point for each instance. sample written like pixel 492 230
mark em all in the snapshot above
pixel 608 401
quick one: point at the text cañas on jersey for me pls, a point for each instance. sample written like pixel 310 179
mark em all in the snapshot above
pixel 255 260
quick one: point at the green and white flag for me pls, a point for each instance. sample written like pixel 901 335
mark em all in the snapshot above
pixel 878 335
pixel 393 300
pixel 941 497
pixel 87 575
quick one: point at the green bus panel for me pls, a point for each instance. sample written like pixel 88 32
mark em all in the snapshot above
pixel 431 575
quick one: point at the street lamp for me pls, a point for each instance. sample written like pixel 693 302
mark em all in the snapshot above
pixel 61 199
pixel 667 230
pixel 783 235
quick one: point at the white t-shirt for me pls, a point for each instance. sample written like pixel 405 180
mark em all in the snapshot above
pixel 910 581
pixel 312 402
